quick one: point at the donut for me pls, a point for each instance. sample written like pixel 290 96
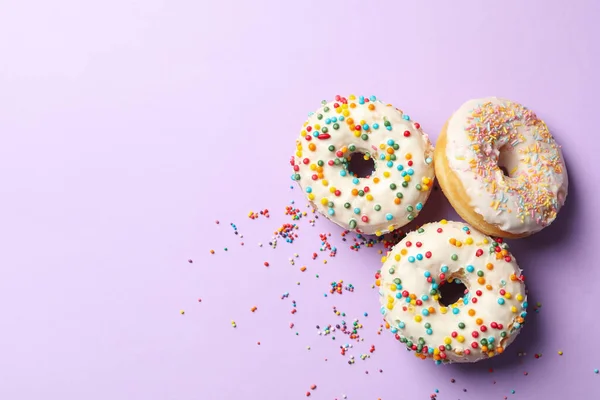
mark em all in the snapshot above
pixel 334 141
pixel 452 294
pixel 500 168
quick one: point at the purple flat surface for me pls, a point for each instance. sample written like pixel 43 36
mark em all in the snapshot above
pixel 128 127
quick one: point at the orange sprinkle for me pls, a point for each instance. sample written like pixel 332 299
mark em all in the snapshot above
pixel 490 266
pixel 303 268
pixel 312 147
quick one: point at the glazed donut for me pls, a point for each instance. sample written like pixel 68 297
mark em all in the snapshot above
pixel 399 179
pixel 415 285
pixel 485 135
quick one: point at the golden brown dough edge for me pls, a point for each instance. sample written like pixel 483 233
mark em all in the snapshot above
pixel 457 196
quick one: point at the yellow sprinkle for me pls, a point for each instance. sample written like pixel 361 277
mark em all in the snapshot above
pixel 324 201
pixel 418 318
pixel 397 257
pixel 443 222
pixel 443 310
pixel 447 340
pixel 403 252
pixel 519 297
pixel 369 197
pixel 325 182
pixel 469 240
pixel 390 306
pixel 311 196
pixel 460 338
pixel 383 259
pixel 181 312
pixel 513 309
pixel 332 189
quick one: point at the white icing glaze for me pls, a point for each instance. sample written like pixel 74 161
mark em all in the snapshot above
pixel 491 276
pixel 485 131
pixel 401 183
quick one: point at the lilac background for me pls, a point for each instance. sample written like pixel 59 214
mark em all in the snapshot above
pixel 128 127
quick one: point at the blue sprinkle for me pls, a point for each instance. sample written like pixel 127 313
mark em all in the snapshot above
pixel 425 312
pixel 434 286
pixel 410 171
pixel 361 100
pixel 429 331
pixel 331 211
pixel 500 301
pixel 390 142
pixel 343 172
pixel 366 314
pixel 470 268
pixel 375 126
pixel 525 304
pixel 328 121
pixel 372 98
pixel 382 310
pixel 357 210
pixel 491 339
pixel 316 133
pixel 334 119
pixel 389 127
pixel 400 167
pixel 406 117
pixel 365 127
pixel 394 330
pixel 398 295
pixel 455 311
pixel 428 160
pixel 390 164
pixel 419 206
pixel 411 259
pixel 419 256
pixel 444 269
pixel 430 350
pixel 355 181
pixel 424 297
pixel 465 228
pixel 382 157
pixel 427 274
pixel 341 117
pixel 401 325
pixel 389 216
pixel 403 173
pixel 308 189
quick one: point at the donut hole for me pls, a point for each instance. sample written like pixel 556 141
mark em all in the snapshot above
pixel 451 292
pixel 507 160
pixel 361 166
